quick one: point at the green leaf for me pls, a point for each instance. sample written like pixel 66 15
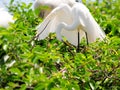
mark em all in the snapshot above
pixel 16 71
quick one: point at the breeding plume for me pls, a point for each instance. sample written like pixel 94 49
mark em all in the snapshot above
pixel 5 18
pixel 73 23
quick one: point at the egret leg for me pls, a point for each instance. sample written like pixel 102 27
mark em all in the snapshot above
pixel 78 47
pixel 86 37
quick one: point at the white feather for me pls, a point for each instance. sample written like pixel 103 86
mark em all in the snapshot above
pixel 68 21
pixel 5 18
pixel 52 20
pixel 51 4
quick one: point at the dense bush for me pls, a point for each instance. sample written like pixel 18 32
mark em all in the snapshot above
pixel 50 64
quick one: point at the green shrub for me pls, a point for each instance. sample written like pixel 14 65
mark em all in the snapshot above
pixel 51 65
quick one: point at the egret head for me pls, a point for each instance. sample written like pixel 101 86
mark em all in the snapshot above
pixel 41 9
pixel 44 7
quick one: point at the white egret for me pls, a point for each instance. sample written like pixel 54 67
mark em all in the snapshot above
pixel 73 23
pixel 51 4
pixel 5 18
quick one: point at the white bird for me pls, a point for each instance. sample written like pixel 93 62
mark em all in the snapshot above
pixel 5 18
pixel 73 23
pixel 51 4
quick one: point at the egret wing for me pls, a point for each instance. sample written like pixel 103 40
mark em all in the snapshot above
pixel 50 23
pixel 91 27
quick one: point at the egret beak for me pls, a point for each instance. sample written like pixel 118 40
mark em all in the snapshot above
pixel 42 14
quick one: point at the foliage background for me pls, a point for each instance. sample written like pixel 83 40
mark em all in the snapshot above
pixel 51 65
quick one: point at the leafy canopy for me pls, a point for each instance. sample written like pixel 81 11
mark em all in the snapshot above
pixel 51 65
